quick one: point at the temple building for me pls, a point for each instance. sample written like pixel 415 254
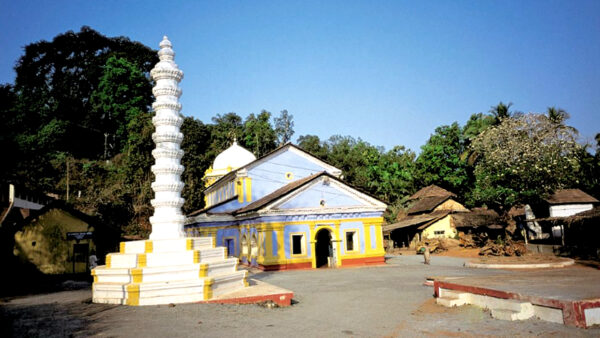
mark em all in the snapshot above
pixel 287 210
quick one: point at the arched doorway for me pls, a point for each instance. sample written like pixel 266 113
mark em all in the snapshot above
pixel 323 248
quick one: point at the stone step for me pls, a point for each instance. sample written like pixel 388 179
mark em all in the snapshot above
pixel 164 273
pixel 186 257
pixel 451 301
pixel 140 260
pixel 506 314
pixel 166 245
pixel 512 310
pixel 152 293
pixel 451 298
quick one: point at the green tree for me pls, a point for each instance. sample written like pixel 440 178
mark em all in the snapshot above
pixel 224 129
pixel 522 160
pixel 501 111
pixel 122 94
pixel 52 112
pixel 476 124
pixel 55 81
pixel 441 161
pixel 195 144
pixel 313 145
pixel 284 127
pixel 557 115
pixel 258 133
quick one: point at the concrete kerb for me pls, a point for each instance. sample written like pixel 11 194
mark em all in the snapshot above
pixel 566 262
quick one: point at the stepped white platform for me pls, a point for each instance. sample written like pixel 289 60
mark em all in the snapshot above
pixel 152 272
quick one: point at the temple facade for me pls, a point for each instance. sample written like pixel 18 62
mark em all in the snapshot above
pixel 287 210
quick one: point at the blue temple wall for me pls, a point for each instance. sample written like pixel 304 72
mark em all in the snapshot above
pixel 233 232
pixel 361 235
pixel 312 197
pixel 299 228
pixel 275 172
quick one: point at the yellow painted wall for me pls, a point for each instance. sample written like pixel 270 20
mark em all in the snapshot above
pixel 443 224
pixel 52 252
pixel 268 230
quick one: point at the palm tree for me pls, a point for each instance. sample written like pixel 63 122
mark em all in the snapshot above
pixel 558 116
pixel 501 111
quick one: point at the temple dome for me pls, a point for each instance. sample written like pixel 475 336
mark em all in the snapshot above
pixel 233 158
pixel 230 159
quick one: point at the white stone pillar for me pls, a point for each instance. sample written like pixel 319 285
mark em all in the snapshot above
pixel 168 220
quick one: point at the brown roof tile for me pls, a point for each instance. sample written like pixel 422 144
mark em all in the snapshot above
pixel 570 196
pixel 476 218
pixel 426 204
pixel 414 220
pixel 431 191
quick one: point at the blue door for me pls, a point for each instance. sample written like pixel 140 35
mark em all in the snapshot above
pixel 229 244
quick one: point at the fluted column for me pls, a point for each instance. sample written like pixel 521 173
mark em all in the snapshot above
pixel 167 221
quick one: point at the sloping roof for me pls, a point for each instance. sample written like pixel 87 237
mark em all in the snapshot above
pixel 287 189
pixel 287 145
pixel 62 205
pixel 279 193
pixel 570 196
pixel 476 218
pixel 207 209
pixel 427 204
pixel 409 221
pixel 431 191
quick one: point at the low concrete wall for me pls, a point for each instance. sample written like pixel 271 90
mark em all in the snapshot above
pixel 543 248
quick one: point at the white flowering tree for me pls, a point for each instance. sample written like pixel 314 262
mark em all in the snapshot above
pixel 522 160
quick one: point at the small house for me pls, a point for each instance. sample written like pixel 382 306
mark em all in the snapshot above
pixel 428 216
pixel 545 222
pixel 568 202
pixel 58 239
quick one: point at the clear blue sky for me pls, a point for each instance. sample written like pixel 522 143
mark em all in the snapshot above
pixel 388 72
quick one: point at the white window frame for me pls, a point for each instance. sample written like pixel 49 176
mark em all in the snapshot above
pixel 302 244
pixel 355 235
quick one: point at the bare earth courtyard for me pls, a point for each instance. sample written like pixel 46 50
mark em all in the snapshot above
pixel 385 301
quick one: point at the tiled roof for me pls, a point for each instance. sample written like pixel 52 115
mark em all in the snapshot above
pixel 570 196
pixel 431 191
pixel 476 218
pixel 414 220
pixel 426 204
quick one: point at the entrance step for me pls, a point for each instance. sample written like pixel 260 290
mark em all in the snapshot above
pixel 164 273
pixel 511 315
pixel 453 300
pixel 181 270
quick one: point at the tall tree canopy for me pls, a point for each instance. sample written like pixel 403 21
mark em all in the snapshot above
pixel 284 127
pixel 196 159
pixel 53 110
pixel 522 160
pixel 122 94
pixel 501 111
pixel 441 160
pixel 258 134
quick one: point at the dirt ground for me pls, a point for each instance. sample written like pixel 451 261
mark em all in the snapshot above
pixel 383 301
pixel 473 254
